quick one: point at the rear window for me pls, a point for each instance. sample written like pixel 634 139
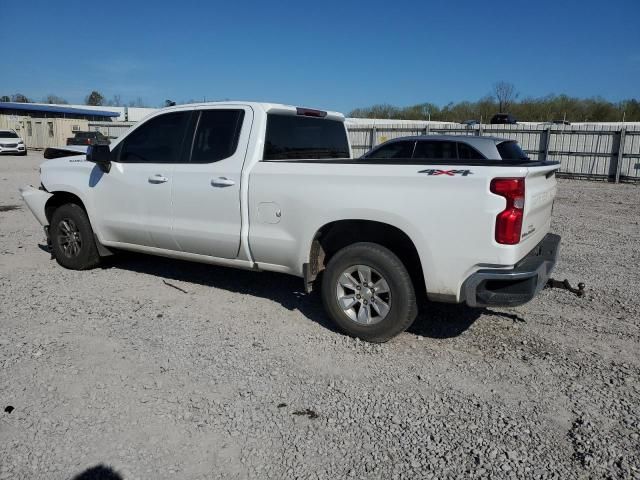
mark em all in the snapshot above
pixel 8 135
pixel 511 151
pixel 298 137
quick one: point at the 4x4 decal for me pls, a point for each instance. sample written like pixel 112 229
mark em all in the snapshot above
pixel 450 173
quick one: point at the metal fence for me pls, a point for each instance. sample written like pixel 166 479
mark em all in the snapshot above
pixel 604 152
pixel 584 151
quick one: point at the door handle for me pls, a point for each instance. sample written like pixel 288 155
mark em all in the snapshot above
pixel 222 182
pixel 157 178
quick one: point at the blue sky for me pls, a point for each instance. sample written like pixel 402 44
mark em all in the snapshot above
pixel 329 54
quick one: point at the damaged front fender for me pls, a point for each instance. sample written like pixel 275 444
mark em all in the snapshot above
pixel 36 200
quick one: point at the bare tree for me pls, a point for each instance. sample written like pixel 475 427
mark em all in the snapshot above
pixel 20 98
pixel 506 93
pixel 51 98
pixel 116 101
pixel 138 102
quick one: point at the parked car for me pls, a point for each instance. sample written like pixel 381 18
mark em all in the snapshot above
pixel 447 148
pixel 503 119
pixel 273 187
pixel 88 138
pixel 470 123
pixel 10 142
pixel 561 122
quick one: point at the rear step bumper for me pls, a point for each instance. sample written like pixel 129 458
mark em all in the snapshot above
pixel 515 286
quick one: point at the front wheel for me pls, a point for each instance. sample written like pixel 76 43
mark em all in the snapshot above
pixel 72 239
pixel 368 293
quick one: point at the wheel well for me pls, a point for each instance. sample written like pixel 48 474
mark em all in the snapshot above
pixel 336 235
pixel 58 199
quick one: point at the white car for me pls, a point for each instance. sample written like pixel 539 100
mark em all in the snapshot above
pixel 10 142
pixel 265 186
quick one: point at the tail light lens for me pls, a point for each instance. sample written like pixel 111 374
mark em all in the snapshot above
pixel 310 112
pixel 509 221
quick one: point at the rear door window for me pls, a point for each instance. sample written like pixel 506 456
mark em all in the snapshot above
pixel 300 137
pixel 402 149
pixel 217 135
pixel 435 150
pixel 158 140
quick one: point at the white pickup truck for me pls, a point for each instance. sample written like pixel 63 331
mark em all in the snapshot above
pixel 272 187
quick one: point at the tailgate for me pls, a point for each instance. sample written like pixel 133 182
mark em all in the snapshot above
pixel 540 192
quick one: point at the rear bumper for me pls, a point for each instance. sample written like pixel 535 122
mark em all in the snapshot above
pixel 516 286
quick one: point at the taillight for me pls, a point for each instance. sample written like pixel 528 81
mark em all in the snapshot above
pixel 509 221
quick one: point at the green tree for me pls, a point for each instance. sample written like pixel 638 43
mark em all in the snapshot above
pixel 95 98
pixel 543 109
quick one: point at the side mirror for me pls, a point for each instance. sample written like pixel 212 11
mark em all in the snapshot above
pixel 101 156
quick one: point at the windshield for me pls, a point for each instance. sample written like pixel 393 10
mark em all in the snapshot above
pixel 6 134
pixel 511 151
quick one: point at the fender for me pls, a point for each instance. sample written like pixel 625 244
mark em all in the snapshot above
pixel 36 200
pixel 380 217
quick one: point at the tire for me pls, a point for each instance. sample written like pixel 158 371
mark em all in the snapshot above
pixel 368 318
pixel 72 238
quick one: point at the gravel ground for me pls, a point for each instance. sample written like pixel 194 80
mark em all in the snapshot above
pixel 113 372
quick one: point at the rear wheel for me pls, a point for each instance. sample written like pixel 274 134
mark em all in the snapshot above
pixel 368 293
pixel 72 239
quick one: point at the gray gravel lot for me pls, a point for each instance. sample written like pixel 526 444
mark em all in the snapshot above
pixel 242 376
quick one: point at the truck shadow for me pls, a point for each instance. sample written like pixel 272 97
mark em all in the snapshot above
pixel 435 320
pixel 99 472
pixel 444 320
pixel 284 289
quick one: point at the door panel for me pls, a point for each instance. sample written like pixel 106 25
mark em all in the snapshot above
pixel 133 200
pixel 130 208
pixel 206 191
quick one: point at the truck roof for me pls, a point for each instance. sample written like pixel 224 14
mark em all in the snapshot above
pixel 267 107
